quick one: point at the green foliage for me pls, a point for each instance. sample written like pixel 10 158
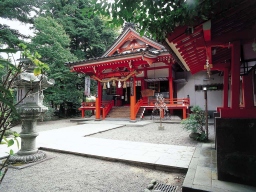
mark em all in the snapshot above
pixel 64 33
pixel 7 105
pixel 18 9
pixel 52 42
pixel 154 17
pixel 88 33
pixel 49 114
pixel 8 133
pixel 194 123
pixel 9 38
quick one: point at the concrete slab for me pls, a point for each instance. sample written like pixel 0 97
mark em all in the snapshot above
pixel 118 122
pixel 202 173
pixel 72 140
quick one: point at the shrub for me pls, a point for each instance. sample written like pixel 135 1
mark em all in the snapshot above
pixel 195 122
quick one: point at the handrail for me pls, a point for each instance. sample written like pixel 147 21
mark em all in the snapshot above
pixel 174 101
pixel 90 103
pixel 106 108
pixel 137 106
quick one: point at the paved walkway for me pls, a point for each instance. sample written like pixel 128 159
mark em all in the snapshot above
pixel 73 140
pixel 202 173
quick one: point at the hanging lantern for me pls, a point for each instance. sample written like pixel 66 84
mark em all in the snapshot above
pixel 124 86
pixel 108 85
pixel 104 86
pixel 114 83
pixel 119 84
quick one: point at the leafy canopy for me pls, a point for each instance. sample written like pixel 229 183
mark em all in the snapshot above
pixel 154 17
pixel 52 43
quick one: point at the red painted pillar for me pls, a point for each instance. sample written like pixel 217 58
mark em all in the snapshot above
pixel 225 88
pixel 248 90
pixel 235 75
pixel 82 113
pixel 184 113
pixel 100 93
pixel 98 102
pixel 132 98
pixel 134 84
pixel 170 86
pixel 145 77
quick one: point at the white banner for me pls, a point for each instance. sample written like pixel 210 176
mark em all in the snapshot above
pixel 87 86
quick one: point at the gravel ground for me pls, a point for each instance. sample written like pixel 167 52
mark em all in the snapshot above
pixel 173 134
pixel 66 172
pixel 80 174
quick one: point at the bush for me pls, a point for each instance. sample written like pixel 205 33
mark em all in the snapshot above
pixel 195 122
pixel 8 133
pixel 48 115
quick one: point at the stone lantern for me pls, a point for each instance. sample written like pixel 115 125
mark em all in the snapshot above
pixel 30 107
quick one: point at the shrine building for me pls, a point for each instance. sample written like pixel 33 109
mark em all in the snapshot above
pixel 134 70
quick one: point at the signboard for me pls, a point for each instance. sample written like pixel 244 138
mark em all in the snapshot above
pixel 87 86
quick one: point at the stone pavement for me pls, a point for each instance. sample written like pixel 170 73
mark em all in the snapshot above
pixel 73 140
pixel 202 173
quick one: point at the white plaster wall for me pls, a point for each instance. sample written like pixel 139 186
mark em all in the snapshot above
pixel 197 97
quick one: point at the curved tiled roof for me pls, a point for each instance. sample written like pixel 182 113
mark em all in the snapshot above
pixel 122 55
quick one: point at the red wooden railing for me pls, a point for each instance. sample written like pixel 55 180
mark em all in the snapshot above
pixel 137 106
pixel 174 101
pixel 172 104
pixel 106 107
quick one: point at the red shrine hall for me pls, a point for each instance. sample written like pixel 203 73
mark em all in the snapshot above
pixel 131 73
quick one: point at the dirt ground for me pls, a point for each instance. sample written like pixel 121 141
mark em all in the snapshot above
pixel 67 172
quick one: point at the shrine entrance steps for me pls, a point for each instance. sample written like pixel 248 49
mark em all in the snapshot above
pixel 123 112
pixel 119 112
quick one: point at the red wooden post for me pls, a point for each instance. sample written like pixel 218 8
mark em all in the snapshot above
pixel 184 110
pixel 82 110
pixel 170 86
pixel 225 88
pixel 133 99
pixel 248 90
pixel 235 75
pixel 98 101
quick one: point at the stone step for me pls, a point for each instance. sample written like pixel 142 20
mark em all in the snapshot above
pixel 119 112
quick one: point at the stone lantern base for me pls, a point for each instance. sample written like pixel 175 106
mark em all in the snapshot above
pixel 28 152
pixel 39 155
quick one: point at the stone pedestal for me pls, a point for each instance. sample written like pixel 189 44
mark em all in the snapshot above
pixel 28 152
pixel 236 150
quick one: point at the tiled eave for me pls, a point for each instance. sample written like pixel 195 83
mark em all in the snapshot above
pixel 113 58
